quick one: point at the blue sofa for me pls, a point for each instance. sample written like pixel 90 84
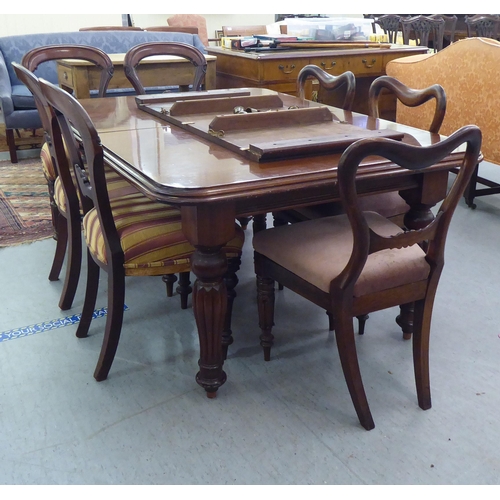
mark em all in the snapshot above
pixel 16 102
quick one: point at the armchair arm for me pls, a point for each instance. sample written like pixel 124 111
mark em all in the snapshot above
pixel 6 104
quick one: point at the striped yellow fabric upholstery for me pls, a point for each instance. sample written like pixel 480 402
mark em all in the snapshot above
pixel 48 167
pixel 151 237
pixel 118 187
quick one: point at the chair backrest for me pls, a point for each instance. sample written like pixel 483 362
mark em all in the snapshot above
pixel 483 25
pixel 450 25
pixel 32 59
pixel 111 28
pixel 259 29
pixel 408 97
pixel 328 82
pixel 422 27
pixel 418 159
pixel 174 29
pixel 200 22
pixel 25 72
pixel 134 56
pixel 391 24
pixel 68 116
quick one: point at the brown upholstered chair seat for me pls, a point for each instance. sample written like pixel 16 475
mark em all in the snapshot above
pixel 329 241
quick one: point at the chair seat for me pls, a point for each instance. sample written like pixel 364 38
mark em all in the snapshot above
pixel 22 98
pixel 118 187
pixel 47 164
pixel 151 237
pixel 319 249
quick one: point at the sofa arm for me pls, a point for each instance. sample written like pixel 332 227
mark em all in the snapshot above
pixel 6 104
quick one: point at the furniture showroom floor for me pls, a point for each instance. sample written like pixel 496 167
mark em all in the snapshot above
pixel 288 421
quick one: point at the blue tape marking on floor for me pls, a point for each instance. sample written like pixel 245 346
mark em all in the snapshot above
pixel 25 331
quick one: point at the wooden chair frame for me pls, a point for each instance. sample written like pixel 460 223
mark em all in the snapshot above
pixel 341 302
pixel 482 25
pixel 328 82
pixel 408 97
pixel 391 24
pixel 422 27
pixel 68 118
pixel 67 227
pixel 135 55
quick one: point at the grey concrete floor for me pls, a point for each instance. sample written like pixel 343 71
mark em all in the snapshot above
pixel 288 421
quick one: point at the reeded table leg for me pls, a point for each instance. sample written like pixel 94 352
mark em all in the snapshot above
pixel 208 228
pixel 210 304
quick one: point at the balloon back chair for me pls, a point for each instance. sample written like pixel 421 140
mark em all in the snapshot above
pixel 360 262
pixel 136 54
pixel 66 217
pixel 134 236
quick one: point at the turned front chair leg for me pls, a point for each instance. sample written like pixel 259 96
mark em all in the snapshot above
pixel 265 304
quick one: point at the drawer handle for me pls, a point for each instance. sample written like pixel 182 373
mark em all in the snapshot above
pixel 333 63
pixel 365 62
pixel 282 68
pixel 65 75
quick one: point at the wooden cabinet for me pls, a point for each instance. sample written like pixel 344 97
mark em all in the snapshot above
pixel 278 70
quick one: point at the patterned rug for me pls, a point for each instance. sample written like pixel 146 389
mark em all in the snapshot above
pixel 24 203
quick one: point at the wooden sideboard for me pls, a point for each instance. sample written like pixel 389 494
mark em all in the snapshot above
pixel 80 77
pixel 278 70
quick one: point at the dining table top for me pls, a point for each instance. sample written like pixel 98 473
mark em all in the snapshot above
pixel 174 165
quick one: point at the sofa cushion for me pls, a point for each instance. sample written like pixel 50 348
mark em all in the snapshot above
pixel 22 98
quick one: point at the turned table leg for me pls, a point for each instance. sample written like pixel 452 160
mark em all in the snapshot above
pixel 208 228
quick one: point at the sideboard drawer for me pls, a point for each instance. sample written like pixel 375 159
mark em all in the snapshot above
pixel 368 64
pixel 286 69
pixel 65 75
pixel 334 65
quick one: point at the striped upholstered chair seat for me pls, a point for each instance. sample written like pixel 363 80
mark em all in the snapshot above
pixel 151 237
pixel 47 164
pixel 118 187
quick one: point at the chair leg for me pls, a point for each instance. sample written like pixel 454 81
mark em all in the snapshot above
pixel 405 319
pixel 74 264
pixel 259 222
pixel 184 288
pixel 470 190
pixel 114 321
pixel 265 304
pixel 421 334
pixel 61 229
pixel 91 290
pixel 11 142
pixel 361 323
pixel 347 351
pixel 244 222
pixel 169 280
pixel 331 321
pixel 231 280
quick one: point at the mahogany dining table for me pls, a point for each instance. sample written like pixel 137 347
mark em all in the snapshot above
pixel 213 185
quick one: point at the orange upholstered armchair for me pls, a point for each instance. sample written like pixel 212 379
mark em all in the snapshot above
pixel 467 72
